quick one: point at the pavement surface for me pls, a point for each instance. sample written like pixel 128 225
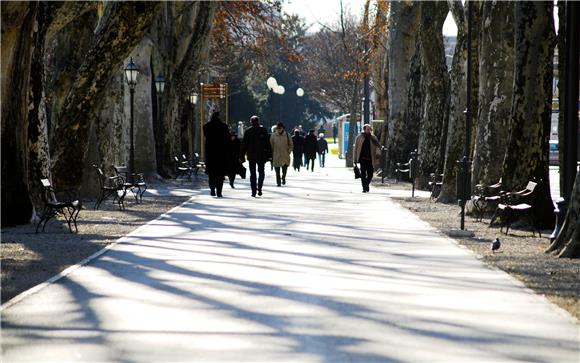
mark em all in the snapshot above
pixel 314 271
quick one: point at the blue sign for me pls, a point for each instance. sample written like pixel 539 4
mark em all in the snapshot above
pixel 345 130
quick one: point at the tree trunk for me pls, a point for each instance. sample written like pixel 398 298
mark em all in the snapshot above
pixel 567 244
pixel 18 28
pixel 495 91
pixel 189 48
pixel 530 118
pixel 354 106
pixel 119 30
pixel 413 112
pixel 434 87
pixel 403 21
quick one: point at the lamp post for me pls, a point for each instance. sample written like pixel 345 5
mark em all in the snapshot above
pixel 131 72
pixel 272 87
pixel 159 87
pixel 280 90
pixel 193 102
pixel 464 175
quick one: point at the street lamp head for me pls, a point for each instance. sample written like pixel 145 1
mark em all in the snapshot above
pixel 281 90
pixel 271 83
pixel 131 72
pixel 159 83
pixel 193 97
pixel 299 92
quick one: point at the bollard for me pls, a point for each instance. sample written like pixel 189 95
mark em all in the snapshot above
pixel 413 170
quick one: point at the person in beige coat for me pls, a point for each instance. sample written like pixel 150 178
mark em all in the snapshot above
pixel 367 154
pixel 281 148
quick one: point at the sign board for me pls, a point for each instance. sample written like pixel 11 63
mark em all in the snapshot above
pixel 214 90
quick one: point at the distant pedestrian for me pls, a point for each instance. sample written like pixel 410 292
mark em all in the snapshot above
pixel 321 130
pixel 281 143
pixel 366 147
pixel 256 146
pixel 322 149
pixel 310 149
pixel 217 153
pixel 334 132
pixel 235 164
pixel 297 150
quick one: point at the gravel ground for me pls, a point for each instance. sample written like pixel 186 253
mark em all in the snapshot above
pixel 28 259
pixel 521 255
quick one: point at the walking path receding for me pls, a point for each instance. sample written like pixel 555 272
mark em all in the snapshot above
pixel 314 271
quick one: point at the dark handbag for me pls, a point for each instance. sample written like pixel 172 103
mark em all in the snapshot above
pixel 242 171
pixel 356 172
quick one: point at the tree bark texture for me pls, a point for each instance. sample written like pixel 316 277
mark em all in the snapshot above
pixel 455 140
pixel 404 20
pixel 530 118
pixel 434 88
pixel 119 30
pixel 567 244
pixel 186 50
pixel 18 28
pixel 495 91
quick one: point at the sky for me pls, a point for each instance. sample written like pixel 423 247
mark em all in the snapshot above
pixel 327 11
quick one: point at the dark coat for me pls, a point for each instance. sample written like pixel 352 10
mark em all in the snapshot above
pixel 322 146
pixel 256 145
pixel 298 144
pixel 310 146
pixel 217 147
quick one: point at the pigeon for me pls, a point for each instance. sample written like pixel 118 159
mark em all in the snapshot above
pixel 495 245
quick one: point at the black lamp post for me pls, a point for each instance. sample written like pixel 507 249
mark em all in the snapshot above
pixel 159 87
pixel 193 102
pixel 131 72
pixel 464 174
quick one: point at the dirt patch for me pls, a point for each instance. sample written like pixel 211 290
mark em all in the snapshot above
pixel 521 255
pixel 30 258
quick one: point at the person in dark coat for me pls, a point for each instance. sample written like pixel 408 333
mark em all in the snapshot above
pixel 256 145
pixel 297 150
pixel 322 149
pixel 334 132
pixel 235 164
pixel 310 148
pixel 217 153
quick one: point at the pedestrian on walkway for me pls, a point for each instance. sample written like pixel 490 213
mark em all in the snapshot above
pixel 217 153
pixel 366 147
pixel 256 146
pixel 310 148
pixel 235 164
pixel 334 133
pixel 322 149
pixel 281 143
pixel 297 150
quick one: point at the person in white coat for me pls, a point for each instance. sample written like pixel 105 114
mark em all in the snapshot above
pixel 281 143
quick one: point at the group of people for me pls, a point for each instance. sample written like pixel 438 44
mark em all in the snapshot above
pixel 306 147
pixel 225 153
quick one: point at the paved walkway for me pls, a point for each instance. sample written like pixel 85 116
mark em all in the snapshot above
pixel 312 272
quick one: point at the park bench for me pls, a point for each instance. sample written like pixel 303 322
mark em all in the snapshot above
pixel 435 184
pixel 69 207
pixel 194 163
pixel 182 168
pixel 110 186
pixel 518 205
pixel 134 182
pixel 401 169
pixel 483 197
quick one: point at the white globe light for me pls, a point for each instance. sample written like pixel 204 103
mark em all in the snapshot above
pixel 281 90
pixel 299 92
pixel 272 84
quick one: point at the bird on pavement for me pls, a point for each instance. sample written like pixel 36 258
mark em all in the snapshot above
pixel 495 245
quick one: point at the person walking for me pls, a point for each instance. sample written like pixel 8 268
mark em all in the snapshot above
pixel 334 132
pixel 256 146
pixel 310 148
pixel 322 149
pixel 217 153
pixel 297 150
pixel 282 146
pixel 235 165
pixel 366 147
